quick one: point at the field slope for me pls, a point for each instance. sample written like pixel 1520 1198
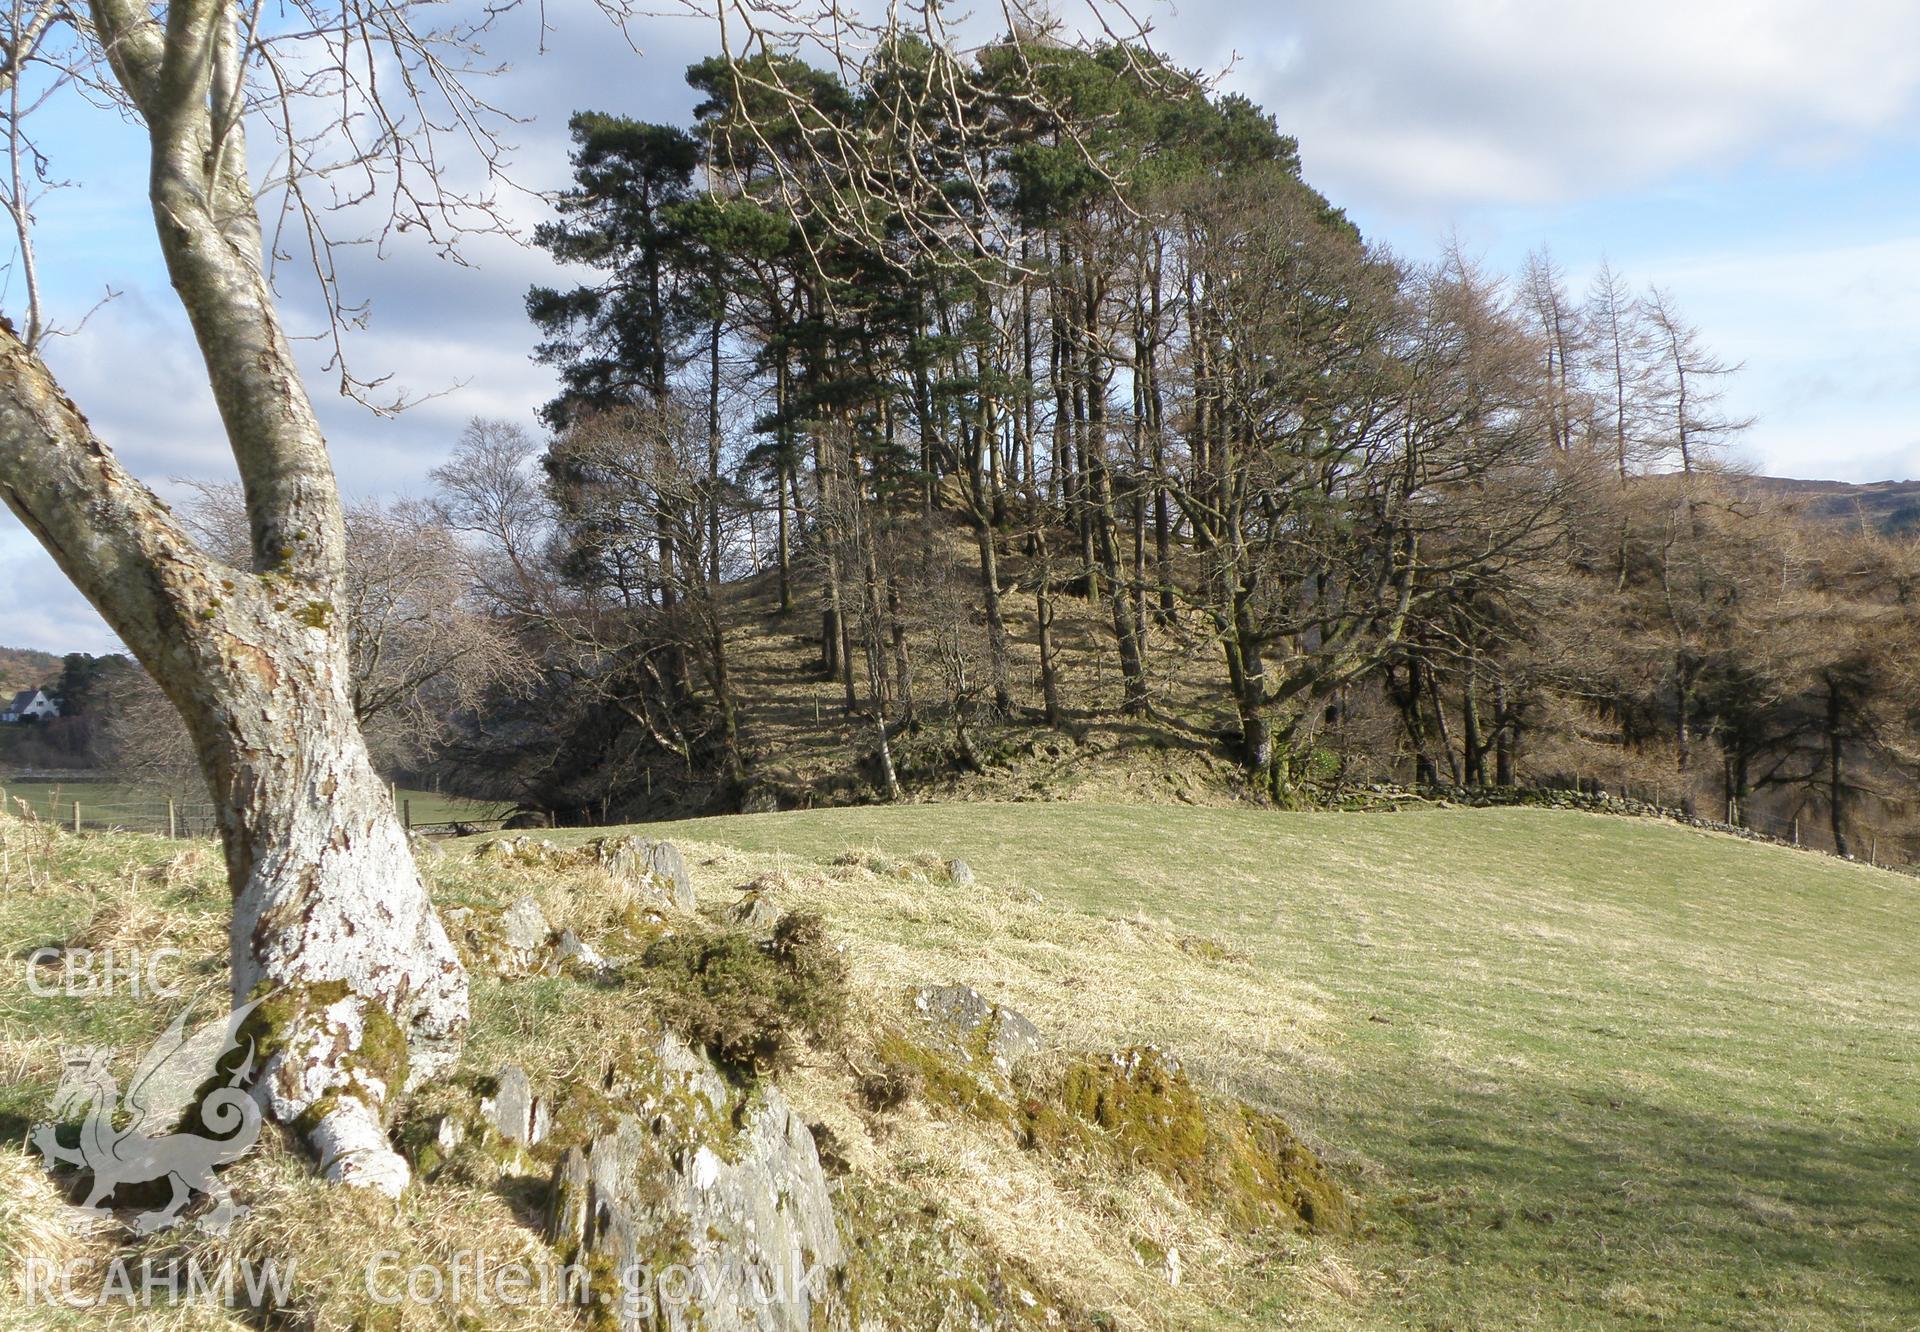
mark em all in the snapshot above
pixel 1581 1071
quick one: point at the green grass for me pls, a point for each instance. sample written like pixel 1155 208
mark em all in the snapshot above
pixel 53 799
pixel 431 807
pixel 143 807
pixel 1582 1072
pixel 1578 1072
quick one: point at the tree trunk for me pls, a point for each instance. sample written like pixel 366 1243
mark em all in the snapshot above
pixel 723 691
pixel 1126 629
pixel 1475 749
pixel 1099 510
pixel 713 453
pixel 1247 669
pixel 1683 729
pixel 1407 697
pixel 360 993
pixel 1043 622
pixel 829 640
pixel 1836 780
pixel 331 927
pixel 902 658
pixel 982 502
pixel 786 542
pixel 996 620
pixel 1503 736
pixel 1440 724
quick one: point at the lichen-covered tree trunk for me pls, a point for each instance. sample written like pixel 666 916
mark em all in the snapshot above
pixel 358 988
pixel 332 930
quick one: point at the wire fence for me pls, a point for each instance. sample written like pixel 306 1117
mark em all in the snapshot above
pixel 96 807
pixel 102 805
pixel 87 803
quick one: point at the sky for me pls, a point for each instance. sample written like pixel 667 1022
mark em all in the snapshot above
pixel 1759 160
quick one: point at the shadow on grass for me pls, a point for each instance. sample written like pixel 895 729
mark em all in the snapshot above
pixel 1720 1218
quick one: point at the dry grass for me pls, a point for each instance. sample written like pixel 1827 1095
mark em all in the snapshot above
pixel 1578 1072
pixel 1582 1071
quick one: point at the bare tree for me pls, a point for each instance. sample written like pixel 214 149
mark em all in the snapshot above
pixel 419 645
pixel 330 914
pixel 1689 382
pixel 1558 324
pixel 488 493
pixel 1617 351
pixel 370 104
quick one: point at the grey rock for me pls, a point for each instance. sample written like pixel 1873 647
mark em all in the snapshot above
pixel 448 1134
pixel 524 927
pixel 754 911
pixel 655 869
pixel 961 873
pixel 571 948
pixel 514 1111
pixel 760 800
pixel 746 1214
pixel 965 1013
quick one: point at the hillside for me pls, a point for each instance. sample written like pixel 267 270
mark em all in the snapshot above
pixel 23 668
pixel 1572 1071
pixel 1887 506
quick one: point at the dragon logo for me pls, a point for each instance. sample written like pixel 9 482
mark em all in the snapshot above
pixel 135 1139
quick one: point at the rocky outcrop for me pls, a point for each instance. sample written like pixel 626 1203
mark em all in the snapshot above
pixel 655 870
pixel 754 912
pixel 976 1025
pixel 524 928
pixel 687 1221
pixel 514 1111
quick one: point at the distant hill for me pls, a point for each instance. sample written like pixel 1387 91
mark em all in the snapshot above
pixel 23 668
pixel 1890 506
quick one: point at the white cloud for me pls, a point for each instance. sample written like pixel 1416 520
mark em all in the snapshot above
pixel 38 606
pixel 1410 103
pixel 1413 111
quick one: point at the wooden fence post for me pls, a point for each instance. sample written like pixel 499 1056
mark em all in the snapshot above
pixel 76 816
pixel 1796 830
pixel 173 819
pixel 406 813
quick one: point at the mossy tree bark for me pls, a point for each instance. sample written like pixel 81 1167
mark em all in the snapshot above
pixel 330 914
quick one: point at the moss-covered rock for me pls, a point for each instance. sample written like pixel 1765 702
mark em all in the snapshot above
pixel 1223 1154
pixel 697 1206
pixel 750 1004
pixel 911 1265
pixel 1137 1109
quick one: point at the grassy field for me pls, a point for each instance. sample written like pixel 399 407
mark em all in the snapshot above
pixel 1576 1072
pixel 1582 1072
pixel 143 808
pixel 432 807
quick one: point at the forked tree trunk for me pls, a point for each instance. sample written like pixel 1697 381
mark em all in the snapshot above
pixel 359 990
pixel 332 928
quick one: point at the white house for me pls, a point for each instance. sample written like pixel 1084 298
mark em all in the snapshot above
pixel 29 703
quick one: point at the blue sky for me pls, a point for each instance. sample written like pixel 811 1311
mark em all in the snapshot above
pixel 1760 160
